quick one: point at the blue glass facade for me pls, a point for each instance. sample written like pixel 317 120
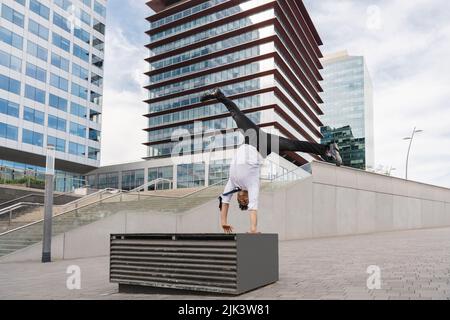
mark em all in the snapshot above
pixel 51 58
pixel 16 171
pixel 348 106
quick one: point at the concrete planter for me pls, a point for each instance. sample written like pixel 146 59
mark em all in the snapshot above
pixel 218 263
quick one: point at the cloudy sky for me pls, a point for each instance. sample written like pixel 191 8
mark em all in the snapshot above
pixel 407 49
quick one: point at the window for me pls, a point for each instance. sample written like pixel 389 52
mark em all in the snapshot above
pixel 80 53
pixel 33 138
pixel 8 132
pixel 59 82
pixel 77 149
pixel 12 15
pixel 57 102
pixel 9 108
pixel 11 38
pixel 96 80
pixel 79 71
pixel 61 22
pixel 60 62
pixel 87 2
pixel 8 84
pixel 22 2
pixel 94 116
pixel 162 172
pixel 191 175
pixel 132 179
pixel 108 180
pixel 37 51
pixel 84 16
pixel 61 42
pixel 100 27
pixel 78 110
pixel 37 29
pixel 98 44
pixel 96 61
pixel 77 129
pixel 36 72
pixel 34 116
pixel 57 123
pixel 218 171
pixel 96 98
pixel 40 9
pixel 63 4
pixel 82 35
pixel 59 144
pixel 79 91
pixel 94 135
pixel 10 61
pixel 35 94
pixel 93 153
pixel 100 9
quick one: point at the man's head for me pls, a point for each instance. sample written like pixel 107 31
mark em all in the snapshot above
pixel 242 199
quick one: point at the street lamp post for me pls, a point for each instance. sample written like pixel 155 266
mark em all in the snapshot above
pixel 409 148
pixel 48 204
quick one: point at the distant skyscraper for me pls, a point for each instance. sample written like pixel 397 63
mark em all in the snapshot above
pixel 51 83
pixel 348 108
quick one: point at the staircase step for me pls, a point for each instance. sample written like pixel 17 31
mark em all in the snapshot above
pixel 93 212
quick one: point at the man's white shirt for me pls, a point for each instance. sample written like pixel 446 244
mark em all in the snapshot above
pixel 244 174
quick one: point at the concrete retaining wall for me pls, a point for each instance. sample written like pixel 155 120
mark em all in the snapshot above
pixel 332 202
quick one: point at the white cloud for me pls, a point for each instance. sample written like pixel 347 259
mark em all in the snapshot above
pixel 408 61
pixel 407 56
pixel 123 105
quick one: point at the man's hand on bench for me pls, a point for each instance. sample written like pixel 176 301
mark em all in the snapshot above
pixel 227 228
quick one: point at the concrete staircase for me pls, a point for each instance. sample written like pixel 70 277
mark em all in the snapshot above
pixel 32 214
pixel 94 209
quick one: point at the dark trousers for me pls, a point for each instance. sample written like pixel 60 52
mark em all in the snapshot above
pixel 267 143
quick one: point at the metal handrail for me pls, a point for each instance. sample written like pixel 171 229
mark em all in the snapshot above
pixel 151 183
pixel 120 193
pixel 99 192
pixel 288 173
pixel 34 195
pixel 186 195
pixel 75 209
pixel 17 206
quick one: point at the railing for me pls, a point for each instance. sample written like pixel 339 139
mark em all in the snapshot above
pixel 66 207
pixel 114 194
pixel 295 175
pixel 188 194
pixel 153 182
pixel 17 206
pixel 100 193
pixel 33 195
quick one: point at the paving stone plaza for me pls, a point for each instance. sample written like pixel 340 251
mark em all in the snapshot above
pixel 413 265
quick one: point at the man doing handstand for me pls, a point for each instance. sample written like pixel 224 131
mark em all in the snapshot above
pixel 245 167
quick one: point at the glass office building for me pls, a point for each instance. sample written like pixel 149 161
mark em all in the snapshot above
pixel 352 150
pixel 51 84
pixel 264 54
pixel 348 108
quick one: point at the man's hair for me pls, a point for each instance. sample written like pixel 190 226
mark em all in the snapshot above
pixel 242 206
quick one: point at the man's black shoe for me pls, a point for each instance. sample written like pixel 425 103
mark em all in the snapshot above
pixel 334 151
pixel 214 94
